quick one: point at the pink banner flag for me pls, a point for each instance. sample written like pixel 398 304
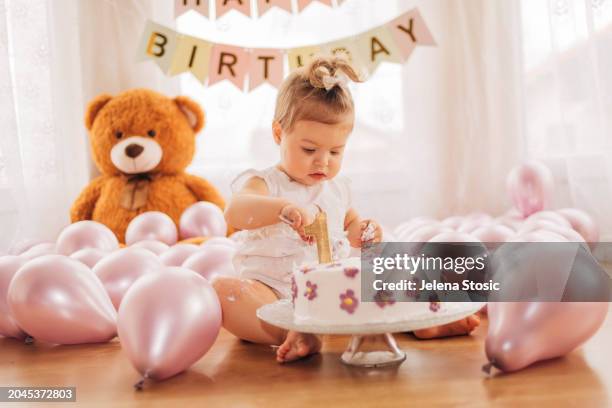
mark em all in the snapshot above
pixel 410 30
pixel 302 4
pixel 228 62
pixel 264 5
pixel 266 66
pixel 243 6
pixel 183 6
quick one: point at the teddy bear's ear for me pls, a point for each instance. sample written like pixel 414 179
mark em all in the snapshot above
pixel 193 112
pixel 94 107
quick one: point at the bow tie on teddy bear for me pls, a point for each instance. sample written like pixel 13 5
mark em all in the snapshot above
pixel 136 191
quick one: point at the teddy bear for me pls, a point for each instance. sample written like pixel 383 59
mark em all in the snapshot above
pixel 142 141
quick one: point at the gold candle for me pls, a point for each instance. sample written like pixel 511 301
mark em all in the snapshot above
pixel 318 229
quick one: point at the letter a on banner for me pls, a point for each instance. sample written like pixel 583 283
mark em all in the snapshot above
pixel 228 62
pixel 410 30
pixel 266 66
pixel 183 6
pixel 376 46
pixel 243 6
pixel 158 43
pixel 192 54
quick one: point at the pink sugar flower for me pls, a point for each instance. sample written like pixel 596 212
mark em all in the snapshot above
pixel 348 301
pixel 434 306
pixel 351 271
pixel 311 290
pixel 384 298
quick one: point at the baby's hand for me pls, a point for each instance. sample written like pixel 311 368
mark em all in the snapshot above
pixel 367 231
pixel 297 218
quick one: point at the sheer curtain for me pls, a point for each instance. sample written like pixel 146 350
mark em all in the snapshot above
pixel 55 55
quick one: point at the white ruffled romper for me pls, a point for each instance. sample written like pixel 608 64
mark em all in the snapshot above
pixel 269 254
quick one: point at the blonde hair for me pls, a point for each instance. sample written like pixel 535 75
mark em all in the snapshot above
pixel 316 93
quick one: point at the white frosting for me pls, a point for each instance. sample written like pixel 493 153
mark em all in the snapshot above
pixel 330 294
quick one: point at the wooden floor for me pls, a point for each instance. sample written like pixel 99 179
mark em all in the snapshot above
pixel 436 373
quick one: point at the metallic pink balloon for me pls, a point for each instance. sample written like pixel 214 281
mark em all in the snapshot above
pixel 582 223
pixel 177 254
pixel 538 236
pixel 59 300
pixel 545 226
pixel 550 217
pixel 9 265
pixel 522 333
pixel 473 222
pixel 151 225
pixel 89 256
pixel 530 186
pixel 454 221
pixel 119 270
pixel 155 247
pixel 453 236
pixel 47 248
pixel 85 234
pixel 212 261
pixel 493 233
pixel 426 232
pixel 20 247
pixel 406 228
pixel 219 241
pixel 202 219
pixel 168 321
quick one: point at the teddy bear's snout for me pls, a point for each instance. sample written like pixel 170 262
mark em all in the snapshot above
pixel 133 150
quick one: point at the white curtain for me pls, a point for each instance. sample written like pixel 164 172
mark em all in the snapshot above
pixel 55 55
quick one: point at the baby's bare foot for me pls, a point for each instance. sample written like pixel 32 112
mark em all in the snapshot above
pixel 296 346
pixel 458 328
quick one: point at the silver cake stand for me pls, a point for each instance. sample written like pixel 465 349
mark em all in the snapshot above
pixel 280 314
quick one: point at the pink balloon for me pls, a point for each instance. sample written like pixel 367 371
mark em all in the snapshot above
pixel 545 226
pixel 119 270
pixel 168 321
pixel 493 233
pixel 155 247
pixel 522 333
pixel 9 265
pixel 219 241
pixel 202 219
pixel 20 247
pixel 453 236
pixel 453 222
pixel 86 234
pixel 89 256
pixel 582 223
pixel 39 250
pixel 471 224
pixel 176 255
pixel 406 228
pixel 425 233
pixel 212 261
pixel 550 217
pixel 530 186
pixel 538 236
pixel 59 300
pixel 151 225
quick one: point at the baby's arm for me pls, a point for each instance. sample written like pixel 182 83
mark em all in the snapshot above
pixel 252 207
pixel 355 227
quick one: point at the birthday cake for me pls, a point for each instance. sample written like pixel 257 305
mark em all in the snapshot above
pixel 330 295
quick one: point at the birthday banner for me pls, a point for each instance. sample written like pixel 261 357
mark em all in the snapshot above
pixel 243 6
pixel 248 68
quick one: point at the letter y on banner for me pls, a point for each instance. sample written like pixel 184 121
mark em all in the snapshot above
pixel 158 43
pixel 410 30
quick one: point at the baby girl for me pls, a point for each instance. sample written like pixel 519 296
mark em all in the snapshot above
pixel 313 120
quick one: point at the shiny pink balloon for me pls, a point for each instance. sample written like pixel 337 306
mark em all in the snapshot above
pixel 538 236
pixel 473 222
pixel 522 333
pixel 545 226
pixel 540 217
pixel 426 232
pixel 582 223
pixel 219 241
pixel 119 270
pixel 406 228
pixel 453 236
pixel 59 300
pixel 530 186
pixel 168 321
pixel 155 247
pixel 20 247
pixel 85 234
pixel 177 254
pixel 39 250
pixel 89 256
pixel 493 233
pixel 454 221
pixel 202 219
pixel 9 265
pixel 212 261
pixel 151 225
